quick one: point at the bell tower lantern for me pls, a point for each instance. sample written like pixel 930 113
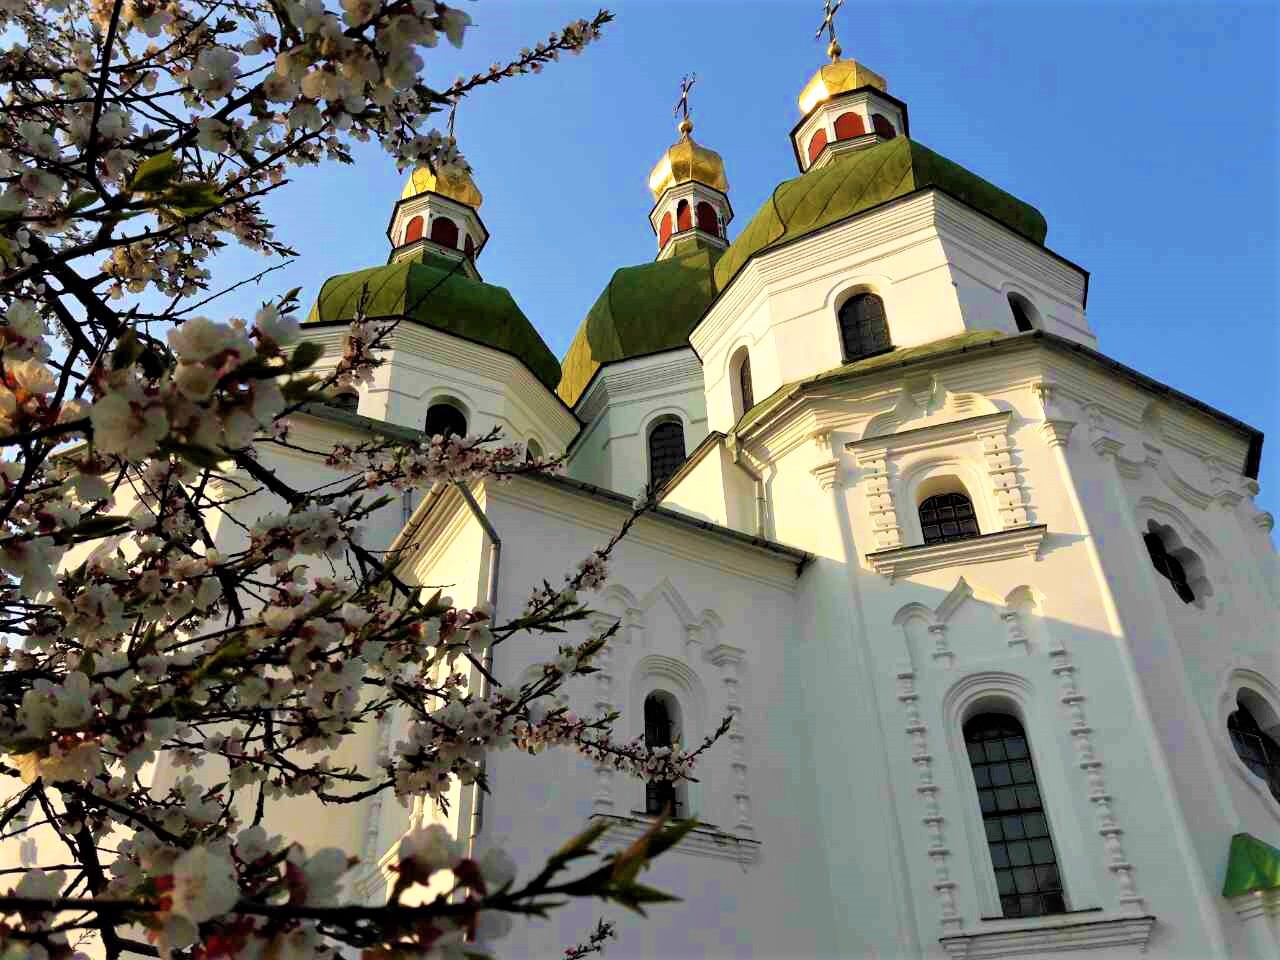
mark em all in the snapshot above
pixel 438 214
pixel 690 191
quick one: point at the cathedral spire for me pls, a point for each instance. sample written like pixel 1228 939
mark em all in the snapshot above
pixel 846 106
pixel 689 187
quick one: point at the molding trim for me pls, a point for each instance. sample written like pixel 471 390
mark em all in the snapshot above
pixel 1100 798
pixel 702 841
pixel 1052 935
pixel 1005 545
pixel 927 789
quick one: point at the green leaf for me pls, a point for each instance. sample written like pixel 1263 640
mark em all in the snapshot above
pixel 81 199
pixel 305 355
pixel 126 352
pixel 191 199
pixel 291 296
pixel 580 846
pixel 298 388
pixel 154 173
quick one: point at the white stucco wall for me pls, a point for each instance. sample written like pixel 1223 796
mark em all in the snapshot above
pixel 624 402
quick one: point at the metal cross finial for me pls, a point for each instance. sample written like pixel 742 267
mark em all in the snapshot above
pixel 829 25
pixel 453 115
pixel 682 105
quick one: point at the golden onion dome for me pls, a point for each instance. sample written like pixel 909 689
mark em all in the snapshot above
pixel 687 160
pixel 459 187
pixel 838 77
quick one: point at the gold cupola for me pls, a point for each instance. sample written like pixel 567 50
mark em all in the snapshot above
pixel 438 215
pixel 687 160
pixel 690 194
pixel 835 78
pixel 845 106
pixel 459 187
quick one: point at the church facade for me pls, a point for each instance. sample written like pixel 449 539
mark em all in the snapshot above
pixel 992 613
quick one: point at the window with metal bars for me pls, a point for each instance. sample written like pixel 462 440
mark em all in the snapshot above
pixel 1013 815
pixel 1169 567
pixel 1257 748
pixel 659 796
pixel 444 419
pixel 864 331
pixel 947 517
pixel 666 451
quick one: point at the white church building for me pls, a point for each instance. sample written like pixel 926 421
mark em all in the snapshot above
pixel 994 615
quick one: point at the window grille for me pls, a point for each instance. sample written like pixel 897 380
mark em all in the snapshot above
pixel 660 795
pixel 1022 853
pixel 1169 567
pixel 1256 747
pixel 864 331
pixel 666 452
pixel 444 419
pixel 947 517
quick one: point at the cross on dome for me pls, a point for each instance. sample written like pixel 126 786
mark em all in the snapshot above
pixel 830 8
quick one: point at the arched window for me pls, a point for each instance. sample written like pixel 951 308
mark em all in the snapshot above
pixel 445 420
pixel 1013 814
pixel 1022 313
pixel 849 125
pixel 883 126
pixel 413 231
pixel 684 218
pixel 816 144
pixel 1169 566
pixel 664 229
pixel 345 401
pixel 1257 748
pixel 666 451
pixel 706 216
pixel 659 731
pixel 444 232
pixel 532 450
pixel 742 369
pixel 864 331
pixel 469 246
pixel 946 517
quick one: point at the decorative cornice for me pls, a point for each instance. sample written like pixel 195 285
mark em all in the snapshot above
pixel 704 840
pixel 1051 935
pixel 1005 545
pixel 827 474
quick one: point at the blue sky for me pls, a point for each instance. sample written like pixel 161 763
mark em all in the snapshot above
pixel 1145 132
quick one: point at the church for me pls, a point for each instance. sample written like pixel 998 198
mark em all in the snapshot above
pixel 992 613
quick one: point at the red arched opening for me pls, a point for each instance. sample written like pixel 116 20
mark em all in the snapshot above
pixel 816 144
pixel 469 246
pixel 413 231
pixel 444 232
pixel 684 218
pixel 849 125
pixel 664 229
pixel 706 215
pixel 882 126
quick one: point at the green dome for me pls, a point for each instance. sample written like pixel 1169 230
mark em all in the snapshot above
pixel 861 179
pixel 435 292
pixel 643 310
